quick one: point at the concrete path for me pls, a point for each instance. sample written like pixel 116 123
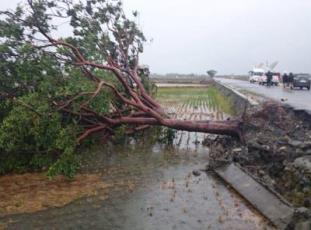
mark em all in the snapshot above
pixel 260 197
pixel 299 99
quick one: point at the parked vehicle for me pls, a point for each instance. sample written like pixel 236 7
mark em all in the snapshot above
pixel 301 81
pixel 255 75
pixel 276 77
pixel 263 80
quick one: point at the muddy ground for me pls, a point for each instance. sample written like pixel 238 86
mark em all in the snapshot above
pixel 277 151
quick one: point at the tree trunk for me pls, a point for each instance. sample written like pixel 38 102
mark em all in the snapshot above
pixel 231 127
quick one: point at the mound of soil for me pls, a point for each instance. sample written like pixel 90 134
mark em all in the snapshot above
pixel 277 150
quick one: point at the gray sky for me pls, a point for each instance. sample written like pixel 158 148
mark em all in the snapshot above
pixel 227 35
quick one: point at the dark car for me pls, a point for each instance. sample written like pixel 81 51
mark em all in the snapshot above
pixel 301 81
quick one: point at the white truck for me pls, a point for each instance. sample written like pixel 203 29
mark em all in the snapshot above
pixel 256 75
pixel 276 78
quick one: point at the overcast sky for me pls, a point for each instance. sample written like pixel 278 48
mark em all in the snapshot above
pixel 231 36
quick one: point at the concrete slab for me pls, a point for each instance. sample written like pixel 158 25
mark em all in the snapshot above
pixel 264 200
pixel 230 88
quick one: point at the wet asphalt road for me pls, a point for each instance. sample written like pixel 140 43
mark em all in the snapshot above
pixel 299 99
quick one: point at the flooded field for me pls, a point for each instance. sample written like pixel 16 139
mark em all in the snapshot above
pixel 155 185
pixel 188 103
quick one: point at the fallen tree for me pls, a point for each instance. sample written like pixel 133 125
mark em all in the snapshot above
pixel 102 41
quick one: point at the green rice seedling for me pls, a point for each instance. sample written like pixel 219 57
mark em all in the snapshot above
pixel 187 99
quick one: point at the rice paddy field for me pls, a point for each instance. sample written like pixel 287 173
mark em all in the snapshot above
pixel 194 103
pixel 191 103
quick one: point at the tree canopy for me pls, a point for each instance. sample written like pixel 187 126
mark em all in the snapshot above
pixel 58 88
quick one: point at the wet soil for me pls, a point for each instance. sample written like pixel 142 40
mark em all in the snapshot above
pixel 277 137
pixel 33 192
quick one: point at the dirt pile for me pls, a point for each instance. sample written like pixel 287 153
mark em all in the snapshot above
pixel 277 151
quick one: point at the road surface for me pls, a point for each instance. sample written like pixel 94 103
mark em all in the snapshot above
pixel 299 99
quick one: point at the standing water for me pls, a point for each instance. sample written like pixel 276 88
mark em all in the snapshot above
pixel 155 185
